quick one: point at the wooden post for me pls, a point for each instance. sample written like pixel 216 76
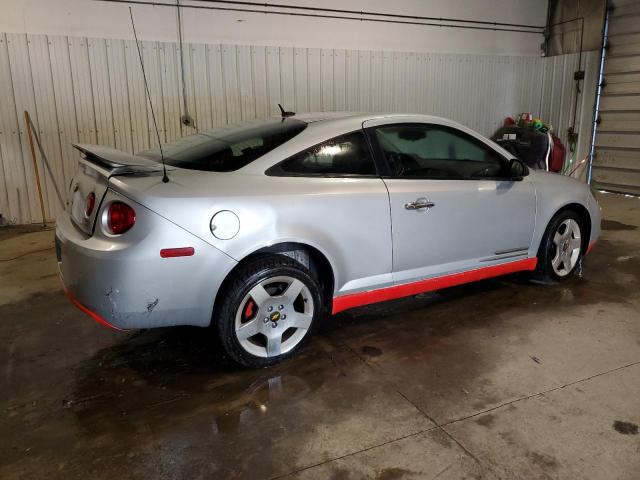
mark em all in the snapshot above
pixel 27 120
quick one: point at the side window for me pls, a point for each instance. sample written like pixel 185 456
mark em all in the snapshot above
pixel 345 155
pixel 437 152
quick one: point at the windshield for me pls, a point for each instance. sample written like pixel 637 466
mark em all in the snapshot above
pixel 227 148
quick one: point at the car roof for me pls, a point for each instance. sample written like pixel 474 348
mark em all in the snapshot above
pixel 355 117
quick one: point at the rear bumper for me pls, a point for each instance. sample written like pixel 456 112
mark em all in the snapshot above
pixel 124 283
pixel 76 303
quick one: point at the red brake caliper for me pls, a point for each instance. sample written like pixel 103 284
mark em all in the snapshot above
pixel 249 309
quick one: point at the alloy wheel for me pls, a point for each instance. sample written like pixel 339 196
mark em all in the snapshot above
pixel 567 245
pixel 274 316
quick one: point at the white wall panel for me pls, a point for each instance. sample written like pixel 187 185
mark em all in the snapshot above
pixel 151 58
pixel 273 80
pixel 301 79
pixel 245 81
pixel 117 75
pixel 91 90
pixel 559 95
pixel 339 80
pixel 13 189
pixel 47 123
pixel 314 56
pixel 137 101
pixel 326 80
pixel 24 97
pixel 216 82
pixel 171 87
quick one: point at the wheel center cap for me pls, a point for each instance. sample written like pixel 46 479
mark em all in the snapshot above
pixel 275 316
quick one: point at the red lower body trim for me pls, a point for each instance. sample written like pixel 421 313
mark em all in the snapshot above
pixel 86 311
pixel 590 247
pixel 407 289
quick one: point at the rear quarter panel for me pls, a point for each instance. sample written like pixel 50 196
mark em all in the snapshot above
pixel 124 279
pixel 346 219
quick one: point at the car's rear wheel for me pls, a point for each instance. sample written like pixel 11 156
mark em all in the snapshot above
pixel 268 310
pixel 561 248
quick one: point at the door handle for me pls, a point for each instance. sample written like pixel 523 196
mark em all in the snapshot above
pixel 419 204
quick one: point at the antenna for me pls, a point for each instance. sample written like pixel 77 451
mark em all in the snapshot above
pixel 165 178
pixel 285 114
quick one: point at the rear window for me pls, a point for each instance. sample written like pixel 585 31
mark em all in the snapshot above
pixel 228 148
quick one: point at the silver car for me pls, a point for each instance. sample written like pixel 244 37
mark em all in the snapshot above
pixel 263 229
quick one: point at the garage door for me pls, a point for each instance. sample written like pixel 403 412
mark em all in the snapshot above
pixel 616 165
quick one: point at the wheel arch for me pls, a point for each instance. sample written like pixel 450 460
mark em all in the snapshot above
pixel 307 255
pixel 585 221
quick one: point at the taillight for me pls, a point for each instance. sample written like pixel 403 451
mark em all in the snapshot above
pixel 89 204
pixel 120 217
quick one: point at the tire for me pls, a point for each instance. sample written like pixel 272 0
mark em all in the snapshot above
pixel 560 251
pixel 268 310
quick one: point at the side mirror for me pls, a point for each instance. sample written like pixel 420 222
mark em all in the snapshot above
pixel 517 170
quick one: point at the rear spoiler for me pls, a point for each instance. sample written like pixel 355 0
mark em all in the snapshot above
pixel 117 162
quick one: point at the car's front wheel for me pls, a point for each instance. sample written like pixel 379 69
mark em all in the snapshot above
pixel 561 248
pixel 268 310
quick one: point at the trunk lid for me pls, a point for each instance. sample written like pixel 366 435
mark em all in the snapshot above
pixel 90 183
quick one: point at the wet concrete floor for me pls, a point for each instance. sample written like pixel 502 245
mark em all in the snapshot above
pixel 499 379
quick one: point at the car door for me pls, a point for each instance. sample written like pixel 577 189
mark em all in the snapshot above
pixel 333 195
pixel 453 206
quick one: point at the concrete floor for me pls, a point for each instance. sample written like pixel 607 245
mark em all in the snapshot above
pixel 500 379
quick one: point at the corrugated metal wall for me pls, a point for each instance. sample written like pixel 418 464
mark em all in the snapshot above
pixel 90 90
pixel 616 164
pixel 558 99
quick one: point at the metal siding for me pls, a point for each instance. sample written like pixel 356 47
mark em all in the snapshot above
pixel 258 66
pixel 172 91
pixel 326 80
pixel 352 79
pixel 119 94
pixel 245 82
pixel 339 80
pixel 151 58
pixel 65 104
pixel 300 75
pixel 364 81
pixel 46 126
pixel 230 75
pixel 287 79
pixel 273 80
pixel 200 95
pixel 22 82
pixel 375 85
pixel 95 93
pixel 137 98
pixel 216 84
pixel 15 195
pixel 99 69
pixel 399 85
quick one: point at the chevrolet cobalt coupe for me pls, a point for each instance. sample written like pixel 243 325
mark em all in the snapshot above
pixel 262 229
